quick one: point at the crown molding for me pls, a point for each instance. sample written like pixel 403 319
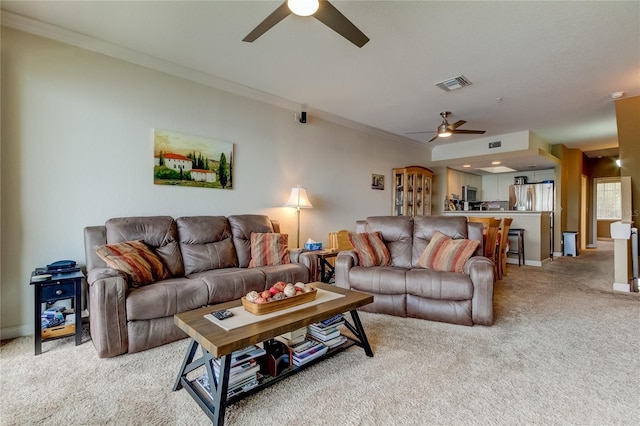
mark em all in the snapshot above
pixel 83 41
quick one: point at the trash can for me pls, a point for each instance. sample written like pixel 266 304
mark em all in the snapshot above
pixel 570 243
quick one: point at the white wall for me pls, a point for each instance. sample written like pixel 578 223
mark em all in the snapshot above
pixel 77 149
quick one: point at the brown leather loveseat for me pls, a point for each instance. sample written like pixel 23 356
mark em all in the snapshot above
pixel 207 258
pixel 406 289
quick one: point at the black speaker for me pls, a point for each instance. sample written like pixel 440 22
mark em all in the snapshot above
pixel 303 117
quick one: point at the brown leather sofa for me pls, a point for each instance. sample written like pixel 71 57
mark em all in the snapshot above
pixel 207 257
pixel 408 290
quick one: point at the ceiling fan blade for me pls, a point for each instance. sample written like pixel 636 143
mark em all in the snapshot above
pixel 332 18
pixel 419 133
pixel 469 132
pixel 433 139
pixel 456 124
pixel 276 16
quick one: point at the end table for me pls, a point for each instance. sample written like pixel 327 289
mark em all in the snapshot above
pixel 58 286
pixel 327 270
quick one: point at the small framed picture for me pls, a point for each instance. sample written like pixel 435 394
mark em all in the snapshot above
pixel 377 181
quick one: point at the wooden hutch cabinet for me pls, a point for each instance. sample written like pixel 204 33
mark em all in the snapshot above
pixel 412 191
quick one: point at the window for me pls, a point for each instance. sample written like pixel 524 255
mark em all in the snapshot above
pixel 609 200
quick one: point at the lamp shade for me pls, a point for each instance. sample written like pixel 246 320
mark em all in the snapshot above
pixel 299 199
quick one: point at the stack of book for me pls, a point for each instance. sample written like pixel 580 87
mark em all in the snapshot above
pixel 244 372
pixel 307 351
pixel 327 332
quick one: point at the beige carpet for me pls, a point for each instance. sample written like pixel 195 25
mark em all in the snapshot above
pixel 565 350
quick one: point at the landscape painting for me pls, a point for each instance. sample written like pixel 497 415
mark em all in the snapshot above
pixel 188 160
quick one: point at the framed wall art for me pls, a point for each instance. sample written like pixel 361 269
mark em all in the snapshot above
pixel 377 181
pixel 188 160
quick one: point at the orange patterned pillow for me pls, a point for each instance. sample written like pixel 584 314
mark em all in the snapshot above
pixel 370 249
pixel 268 249
pixel 141 265
pixel 446 254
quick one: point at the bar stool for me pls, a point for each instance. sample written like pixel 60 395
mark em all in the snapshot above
pixel 519 248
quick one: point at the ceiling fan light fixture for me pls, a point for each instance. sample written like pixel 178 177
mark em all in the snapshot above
pixel 303 7
pixel 443 131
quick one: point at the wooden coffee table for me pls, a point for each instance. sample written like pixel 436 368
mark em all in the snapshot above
pixel 216 342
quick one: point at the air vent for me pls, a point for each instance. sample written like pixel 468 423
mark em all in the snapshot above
pixel 453 83
pixel 496 144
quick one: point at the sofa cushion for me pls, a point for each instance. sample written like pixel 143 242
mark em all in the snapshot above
pixel 289 273
pixel 378 279
pixel 241 228
pixel 166 298
pixel 370 249
pixel 430 284
pixel 397 233
pixel 135 259
pixel 228 284
pixel 206 243
pixel 158 232
pixel 269 249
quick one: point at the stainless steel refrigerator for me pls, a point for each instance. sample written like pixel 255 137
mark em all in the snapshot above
pixel 539 197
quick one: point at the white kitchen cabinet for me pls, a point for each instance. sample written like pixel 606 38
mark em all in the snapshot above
pixel 456 180
pixel 504 181
pixel 489 188
pixel 541 175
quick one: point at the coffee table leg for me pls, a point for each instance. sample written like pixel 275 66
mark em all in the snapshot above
pixel 222 386
pixel 191 352
pixel 358 331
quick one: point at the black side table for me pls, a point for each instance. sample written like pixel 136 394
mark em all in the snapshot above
pixel 327 270
pixel 58 287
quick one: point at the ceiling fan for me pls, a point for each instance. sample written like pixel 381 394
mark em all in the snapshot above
pixel 322 10
pixel 445 129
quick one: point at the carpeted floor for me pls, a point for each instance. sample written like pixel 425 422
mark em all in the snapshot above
pixel 565 350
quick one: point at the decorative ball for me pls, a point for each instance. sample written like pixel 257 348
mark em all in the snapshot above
pixel 300 284
pixel 279 296
pixel 289 290
pixel 260 300
pixel 265 294
pixel 252 296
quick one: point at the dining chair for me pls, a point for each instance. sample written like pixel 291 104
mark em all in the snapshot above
pixel 339 241
pixel 491 229
pixel 503 246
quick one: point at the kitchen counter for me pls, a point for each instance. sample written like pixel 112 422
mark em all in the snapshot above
pixel 537 234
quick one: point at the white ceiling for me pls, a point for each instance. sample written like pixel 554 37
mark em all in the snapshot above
pixel 553 64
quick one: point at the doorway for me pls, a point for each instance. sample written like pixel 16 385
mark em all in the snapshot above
pixel 608 205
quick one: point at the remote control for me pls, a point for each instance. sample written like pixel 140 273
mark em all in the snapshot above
pixel 224 314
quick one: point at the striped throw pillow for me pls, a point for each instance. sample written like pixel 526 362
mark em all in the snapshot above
pixel 370 249
pixel 268 249
pixel 446 254
pixel 141 265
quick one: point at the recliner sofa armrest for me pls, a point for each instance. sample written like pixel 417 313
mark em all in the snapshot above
pixel 107 311
pixel 344 262
pixel 311 261
pixel 295 253
pixel 480 270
